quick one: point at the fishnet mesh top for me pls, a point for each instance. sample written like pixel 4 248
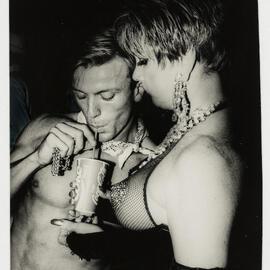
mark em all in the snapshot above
pixel 129 200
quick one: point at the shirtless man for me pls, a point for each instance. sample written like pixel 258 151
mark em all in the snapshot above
pixel 102 89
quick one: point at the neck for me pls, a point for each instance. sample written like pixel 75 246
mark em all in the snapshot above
pixel 127 134
pixel 204 89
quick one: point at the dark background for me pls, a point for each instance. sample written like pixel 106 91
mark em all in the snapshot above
pixel 52 30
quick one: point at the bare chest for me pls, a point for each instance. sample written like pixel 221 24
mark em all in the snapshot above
pixel 55 190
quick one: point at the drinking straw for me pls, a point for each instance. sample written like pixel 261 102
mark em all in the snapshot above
pixel 96 139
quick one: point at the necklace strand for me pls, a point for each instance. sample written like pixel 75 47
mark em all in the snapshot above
pixel 113 148
pixel 116 145
pixel 179 130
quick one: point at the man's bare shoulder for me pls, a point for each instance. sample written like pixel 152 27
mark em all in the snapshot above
pixel 207 150
pixel 206 163
pixel 201 194
pixel 36 131
pixel 41 125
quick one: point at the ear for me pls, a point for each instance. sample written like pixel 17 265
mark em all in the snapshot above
pixel 187 63
pixel 138 92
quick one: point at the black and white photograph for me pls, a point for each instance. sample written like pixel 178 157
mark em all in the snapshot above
pixel 135 135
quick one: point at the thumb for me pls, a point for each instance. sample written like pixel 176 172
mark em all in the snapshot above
pixel 104 195
pixel 65 224
pixel 78 227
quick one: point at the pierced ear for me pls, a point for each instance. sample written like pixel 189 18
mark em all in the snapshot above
pixel 138 92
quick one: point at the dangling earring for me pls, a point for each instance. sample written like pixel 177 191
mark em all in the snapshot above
pixel 139 88
pixel 181 104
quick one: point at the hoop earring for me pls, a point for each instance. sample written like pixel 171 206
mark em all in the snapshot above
pixel 181 104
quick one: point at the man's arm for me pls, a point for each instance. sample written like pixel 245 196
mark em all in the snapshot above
pixel 24 157
pixel 104 241
pixel 35 146
pixel 34 134
pixel 201 200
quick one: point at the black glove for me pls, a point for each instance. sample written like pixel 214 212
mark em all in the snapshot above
pixel 117 243
pixel 177 266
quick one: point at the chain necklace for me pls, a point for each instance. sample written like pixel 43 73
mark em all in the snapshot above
pixel 124 149
pixel 118 145
pixel 180 129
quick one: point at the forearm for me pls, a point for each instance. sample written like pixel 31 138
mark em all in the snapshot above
pixel 21 171
pixel 118 244
pixel 177 266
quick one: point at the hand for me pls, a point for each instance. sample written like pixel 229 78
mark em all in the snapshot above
pixel 104 195
pixel 69 137
pixel 68 226
pixel 76 216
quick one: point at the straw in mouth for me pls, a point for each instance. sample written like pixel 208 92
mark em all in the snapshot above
pixel 95 147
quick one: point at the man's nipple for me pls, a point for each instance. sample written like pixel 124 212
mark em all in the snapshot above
pixel 35 184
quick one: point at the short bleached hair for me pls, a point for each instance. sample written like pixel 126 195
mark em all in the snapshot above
pixel 168 29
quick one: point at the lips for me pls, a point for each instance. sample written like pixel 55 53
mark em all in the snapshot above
pixel 97 127
pixel 140 85
pixel 94 126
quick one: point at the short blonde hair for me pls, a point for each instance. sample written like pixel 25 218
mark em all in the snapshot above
pixel 169 28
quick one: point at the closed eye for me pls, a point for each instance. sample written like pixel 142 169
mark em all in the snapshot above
pixel 80 95
pixel 108 95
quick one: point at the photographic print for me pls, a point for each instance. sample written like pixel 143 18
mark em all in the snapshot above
pixel 135 135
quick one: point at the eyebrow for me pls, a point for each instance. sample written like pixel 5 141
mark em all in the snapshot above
pixel 75 89
pixel 99 92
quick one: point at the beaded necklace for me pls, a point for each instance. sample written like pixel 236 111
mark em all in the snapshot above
pixel 179 130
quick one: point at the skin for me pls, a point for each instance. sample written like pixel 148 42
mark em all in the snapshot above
pixel 202 172
pixel 104 97
pixel 156 80
pixel 34 240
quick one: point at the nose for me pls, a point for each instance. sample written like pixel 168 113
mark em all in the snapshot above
pixel 137 74
pixel 93 108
